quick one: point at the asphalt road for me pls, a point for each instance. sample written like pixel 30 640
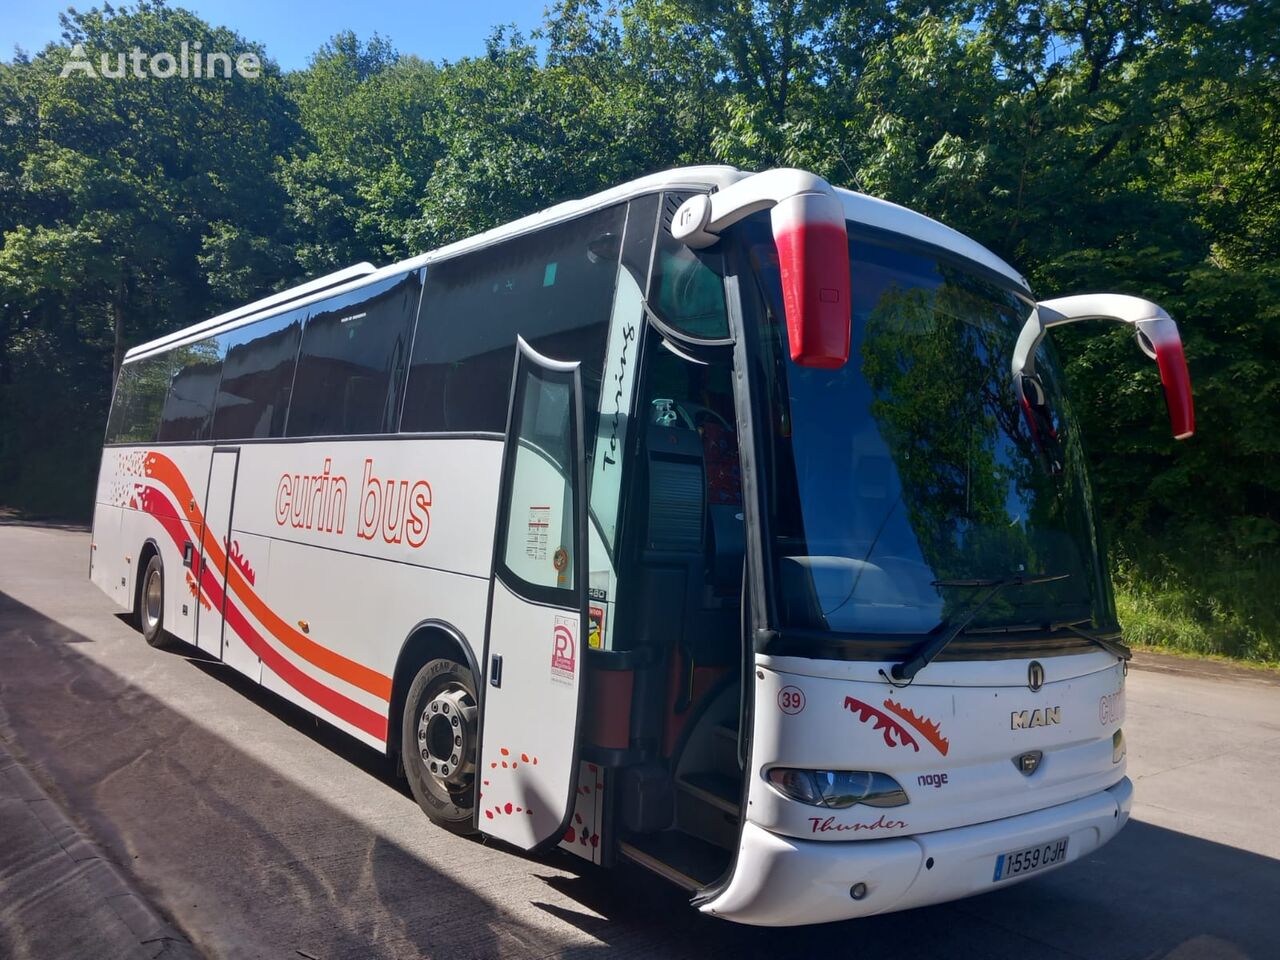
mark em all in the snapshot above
pixel 261 833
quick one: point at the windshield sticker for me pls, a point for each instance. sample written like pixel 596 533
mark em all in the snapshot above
pixel 595 626
pixel 535 543
pixel 895 734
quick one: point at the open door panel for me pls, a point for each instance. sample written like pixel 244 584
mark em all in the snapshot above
pixel 532 688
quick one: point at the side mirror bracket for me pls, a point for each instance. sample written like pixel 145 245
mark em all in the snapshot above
pixel 813 253
pixel 1154 330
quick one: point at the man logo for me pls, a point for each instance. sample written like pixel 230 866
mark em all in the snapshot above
pixel 1035 676
pixel 1026 719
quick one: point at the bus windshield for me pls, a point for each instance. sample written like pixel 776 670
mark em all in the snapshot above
pixel 901 478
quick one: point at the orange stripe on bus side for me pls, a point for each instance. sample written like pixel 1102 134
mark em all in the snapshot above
pixel 161 468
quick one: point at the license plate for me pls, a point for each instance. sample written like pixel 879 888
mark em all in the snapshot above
pixel 1017 862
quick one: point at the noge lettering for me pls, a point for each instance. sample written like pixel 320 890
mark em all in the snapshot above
pixel 397 511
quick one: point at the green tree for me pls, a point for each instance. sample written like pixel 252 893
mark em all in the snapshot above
pixel 138 206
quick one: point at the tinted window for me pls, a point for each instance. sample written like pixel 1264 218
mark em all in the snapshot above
pixel 140 393
pixel 907 475
pixel 686 290
pixel 355 350
pixel 188 407
pixel 120 403
pixel 553 287
pixel 257 375
pixel 540 541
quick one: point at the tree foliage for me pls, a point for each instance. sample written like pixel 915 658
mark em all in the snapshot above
pixel 1131 145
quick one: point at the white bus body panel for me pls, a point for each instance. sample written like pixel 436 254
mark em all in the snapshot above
pixel 337 550
pixel 218 502
pixel 952 748
pixel 525 770
pixel 781 881
pixel 130 511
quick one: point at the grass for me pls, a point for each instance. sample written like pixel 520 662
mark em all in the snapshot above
pixel 1208 604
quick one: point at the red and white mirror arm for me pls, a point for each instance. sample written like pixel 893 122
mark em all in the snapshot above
pixel 1155 331
pixel 813 253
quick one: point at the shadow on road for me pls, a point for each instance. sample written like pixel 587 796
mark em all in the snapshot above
pixel 250 862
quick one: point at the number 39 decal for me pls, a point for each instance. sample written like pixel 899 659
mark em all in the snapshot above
pixel 791 700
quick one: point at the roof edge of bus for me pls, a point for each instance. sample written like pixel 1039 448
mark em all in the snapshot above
pixel 858 207
pixel 329 280
pixel 694 177
pixel 340 281
pixel 894 218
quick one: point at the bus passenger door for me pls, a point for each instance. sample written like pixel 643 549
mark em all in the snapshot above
pixel 533 658
pixel 218 502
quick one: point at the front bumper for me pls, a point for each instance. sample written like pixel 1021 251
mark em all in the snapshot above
pixel 781 881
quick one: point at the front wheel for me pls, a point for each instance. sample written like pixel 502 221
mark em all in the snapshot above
pixel 438 743
pixel 151 604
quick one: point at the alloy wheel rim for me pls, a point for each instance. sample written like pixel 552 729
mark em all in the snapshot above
pixel 152 600
pixel 446 738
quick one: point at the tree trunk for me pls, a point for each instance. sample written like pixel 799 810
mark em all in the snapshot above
pixel 117 323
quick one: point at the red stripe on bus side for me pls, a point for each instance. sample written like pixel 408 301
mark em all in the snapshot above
pixel 356 714
pixel 161 468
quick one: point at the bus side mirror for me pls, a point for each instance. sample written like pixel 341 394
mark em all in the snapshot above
pixel 1155 331
pixel 813 267
pixel 813 253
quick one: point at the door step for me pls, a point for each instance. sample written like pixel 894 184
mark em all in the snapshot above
pixel 724 749
pixel 716 789
pixel 707 807
pixel 682 859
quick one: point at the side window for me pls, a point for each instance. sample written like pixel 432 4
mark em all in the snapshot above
pixel 188 407
pixel 135 415
pixel 686 290
pixel 120 402
pixel 539 512
pixel 553 287
pixel 257 374
pixel 355 351
pixel 621 360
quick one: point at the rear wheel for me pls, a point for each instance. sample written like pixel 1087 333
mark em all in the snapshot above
pixel 151 604
pixel 438 743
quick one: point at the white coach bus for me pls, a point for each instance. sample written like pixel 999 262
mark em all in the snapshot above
pixel 731 524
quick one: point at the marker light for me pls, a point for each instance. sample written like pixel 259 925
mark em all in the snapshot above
pixel 837 789
pixel 1117 746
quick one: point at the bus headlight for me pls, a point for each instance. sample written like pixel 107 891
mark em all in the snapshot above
pixel 1117 746
pixel 837 789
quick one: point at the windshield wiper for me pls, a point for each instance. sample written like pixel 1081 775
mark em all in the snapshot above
pixel 1111 646
pixel 907 669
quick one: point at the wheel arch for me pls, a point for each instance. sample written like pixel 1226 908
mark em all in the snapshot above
pixel 428 640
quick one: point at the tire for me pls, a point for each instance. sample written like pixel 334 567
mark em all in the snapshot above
pixel 440 715
pixel 151 605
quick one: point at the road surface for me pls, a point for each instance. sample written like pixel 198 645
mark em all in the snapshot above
pixel 259 832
